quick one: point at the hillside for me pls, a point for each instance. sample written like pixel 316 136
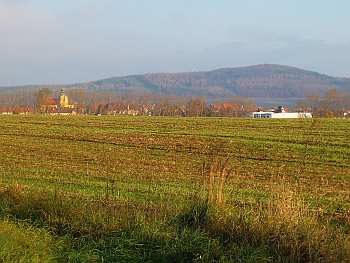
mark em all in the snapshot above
pixel 261 81
pixel 265 83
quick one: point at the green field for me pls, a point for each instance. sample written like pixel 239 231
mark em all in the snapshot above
pixel 126 189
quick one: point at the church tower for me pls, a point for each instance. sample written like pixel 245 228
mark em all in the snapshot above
pixel 64 103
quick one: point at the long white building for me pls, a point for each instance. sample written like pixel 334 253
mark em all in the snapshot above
pixel 280 113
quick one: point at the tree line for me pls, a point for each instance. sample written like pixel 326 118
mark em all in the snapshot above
pixel 331 104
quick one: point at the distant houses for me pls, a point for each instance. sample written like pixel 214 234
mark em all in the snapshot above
pixel 16 110
pixel 46 104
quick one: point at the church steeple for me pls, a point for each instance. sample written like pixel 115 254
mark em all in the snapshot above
pixel 64 103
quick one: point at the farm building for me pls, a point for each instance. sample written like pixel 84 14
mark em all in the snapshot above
pixel 280 113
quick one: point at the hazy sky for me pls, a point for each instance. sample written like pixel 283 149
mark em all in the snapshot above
pixel 65 41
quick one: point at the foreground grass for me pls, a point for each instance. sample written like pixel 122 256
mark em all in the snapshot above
pixel 23 243
pixel 127 189
pixel 110 231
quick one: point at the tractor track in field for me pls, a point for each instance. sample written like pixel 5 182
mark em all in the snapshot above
pixel 176 150
pixel 137 130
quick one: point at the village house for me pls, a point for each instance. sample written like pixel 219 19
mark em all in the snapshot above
pixel 21 110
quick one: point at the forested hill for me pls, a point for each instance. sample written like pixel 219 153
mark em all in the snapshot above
pixel 263 81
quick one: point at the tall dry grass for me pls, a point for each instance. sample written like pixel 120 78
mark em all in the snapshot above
pixel 217 175
pixel 286 227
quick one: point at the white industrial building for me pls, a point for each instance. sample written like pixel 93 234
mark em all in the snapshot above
pixel 280 113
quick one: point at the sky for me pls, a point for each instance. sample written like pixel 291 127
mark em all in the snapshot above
pixel 70 41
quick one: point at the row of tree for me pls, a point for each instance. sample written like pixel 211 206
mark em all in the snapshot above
pixel 332 104
pixel 134 103
pixel 174 106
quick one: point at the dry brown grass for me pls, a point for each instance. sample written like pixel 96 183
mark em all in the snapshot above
pixel 218 173
pixel 286 227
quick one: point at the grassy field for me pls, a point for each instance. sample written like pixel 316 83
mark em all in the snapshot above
pixel 134 189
